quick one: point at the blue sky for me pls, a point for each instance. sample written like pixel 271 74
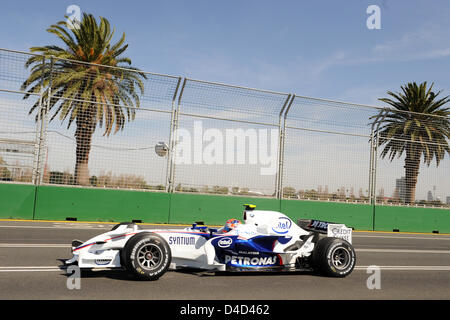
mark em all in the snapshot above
pixel 313 48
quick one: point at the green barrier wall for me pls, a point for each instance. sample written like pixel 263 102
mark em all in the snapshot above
pixel 59 203
pixel 213 209
pixel 358 216
pixel 17 201
pixel 407 219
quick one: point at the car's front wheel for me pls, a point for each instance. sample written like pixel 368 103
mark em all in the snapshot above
pixel 334 257
pixel 146 255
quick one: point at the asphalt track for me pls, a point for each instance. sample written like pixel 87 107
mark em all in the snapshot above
pixel 412 266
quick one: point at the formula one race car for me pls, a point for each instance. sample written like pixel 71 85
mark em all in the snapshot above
pixel 265 241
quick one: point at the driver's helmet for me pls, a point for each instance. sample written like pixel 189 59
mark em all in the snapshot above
pixel 230 225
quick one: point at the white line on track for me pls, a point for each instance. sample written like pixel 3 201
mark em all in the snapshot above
pixel 402 251
pixel 438 237
pixel 51 245
pixel 357 268
pixel 407 268
pixel 62 225
pixel 46 270
pixel 56 227
pixel 33 245
pixel 30 269
pixel 42 269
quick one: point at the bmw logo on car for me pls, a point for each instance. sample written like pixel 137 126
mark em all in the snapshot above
pixel 283 225
pixel 225 242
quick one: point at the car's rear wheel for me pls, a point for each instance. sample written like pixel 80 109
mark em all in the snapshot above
pixel 146 255
pixel 334 257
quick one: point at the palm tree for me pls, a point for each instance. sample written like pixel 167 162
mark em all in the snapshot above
pixel 417 125
pixel 86 82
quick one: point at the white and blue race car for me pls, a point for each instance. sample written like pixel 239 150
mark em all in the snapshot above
pixel 265 241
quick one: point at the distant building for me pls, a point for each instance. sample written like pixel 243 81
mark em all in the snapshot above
pixel 430 196
pixel 448 200
pixel 381 193
pixel 400 188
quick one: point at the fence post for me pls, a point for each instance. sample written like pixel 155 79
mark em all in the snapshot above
pixel 42 118
pixel 174 127
pixel 171 138
pixel 279 189
pixel 371 165
pixel 374 142
pixel 280 148
pixel 38 136
pixel 44 128
pixel 375 165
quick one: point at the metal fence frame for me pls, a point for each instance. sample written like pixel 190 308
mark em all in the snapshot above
pixel 41 143
pixel 179 112
pixel 373 146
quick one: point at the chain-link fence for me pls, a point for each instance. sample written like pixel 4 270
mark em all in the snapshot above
pixel 412 164
pixel 228 139
pixel 327 151
pixel 19 132
pixel 81 124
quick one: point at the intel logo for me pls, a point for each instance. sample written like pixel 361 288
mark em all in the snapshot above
pixel 225 242
pixel 283 225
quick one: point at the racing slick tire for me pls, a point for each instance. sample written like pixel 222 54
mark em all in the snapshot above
pixel 146 255
pixel 334 257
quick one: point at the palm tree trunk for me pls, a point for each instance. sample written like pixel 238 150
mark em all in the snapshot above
pixel 83 136
pixel 412 164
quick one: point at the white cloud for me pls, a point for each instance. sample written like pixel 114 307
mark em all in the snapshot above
pixel 422 44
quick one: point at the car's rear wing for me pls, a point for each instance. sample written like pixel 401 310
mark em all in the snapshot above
pixel 331 229
pixel 314 225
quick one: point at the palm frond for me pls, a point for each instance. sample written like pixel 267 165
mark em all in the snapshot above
pixel 417 122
